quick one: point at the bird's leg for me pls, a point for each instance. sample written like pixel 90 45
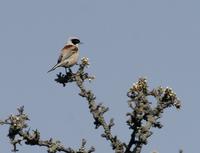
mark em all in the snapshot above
pixel 70 70
pixel 65 70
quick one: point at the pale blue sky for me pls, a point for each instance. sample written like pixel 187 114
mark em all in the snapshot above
pixel 124 40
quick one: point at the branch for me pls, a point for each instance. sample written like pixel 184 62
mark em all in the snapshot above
pixel 144 116
pixel 97 110
pixel 18 133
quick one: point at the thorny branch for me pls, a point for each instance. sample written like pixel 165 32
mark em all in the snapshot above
pixel 141 119
pixel 19 133
pixel 144 116
pixel 97 110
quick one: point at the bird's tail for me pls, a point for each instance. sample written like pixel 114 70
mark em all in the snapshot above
pixel 54 67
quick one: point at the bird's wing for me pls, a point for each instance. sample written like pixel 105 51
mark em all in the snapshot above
pixel 60 58
pixel 66 52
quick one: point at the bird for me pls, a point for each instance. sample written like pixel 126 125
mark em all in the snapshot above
pixel 69 54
